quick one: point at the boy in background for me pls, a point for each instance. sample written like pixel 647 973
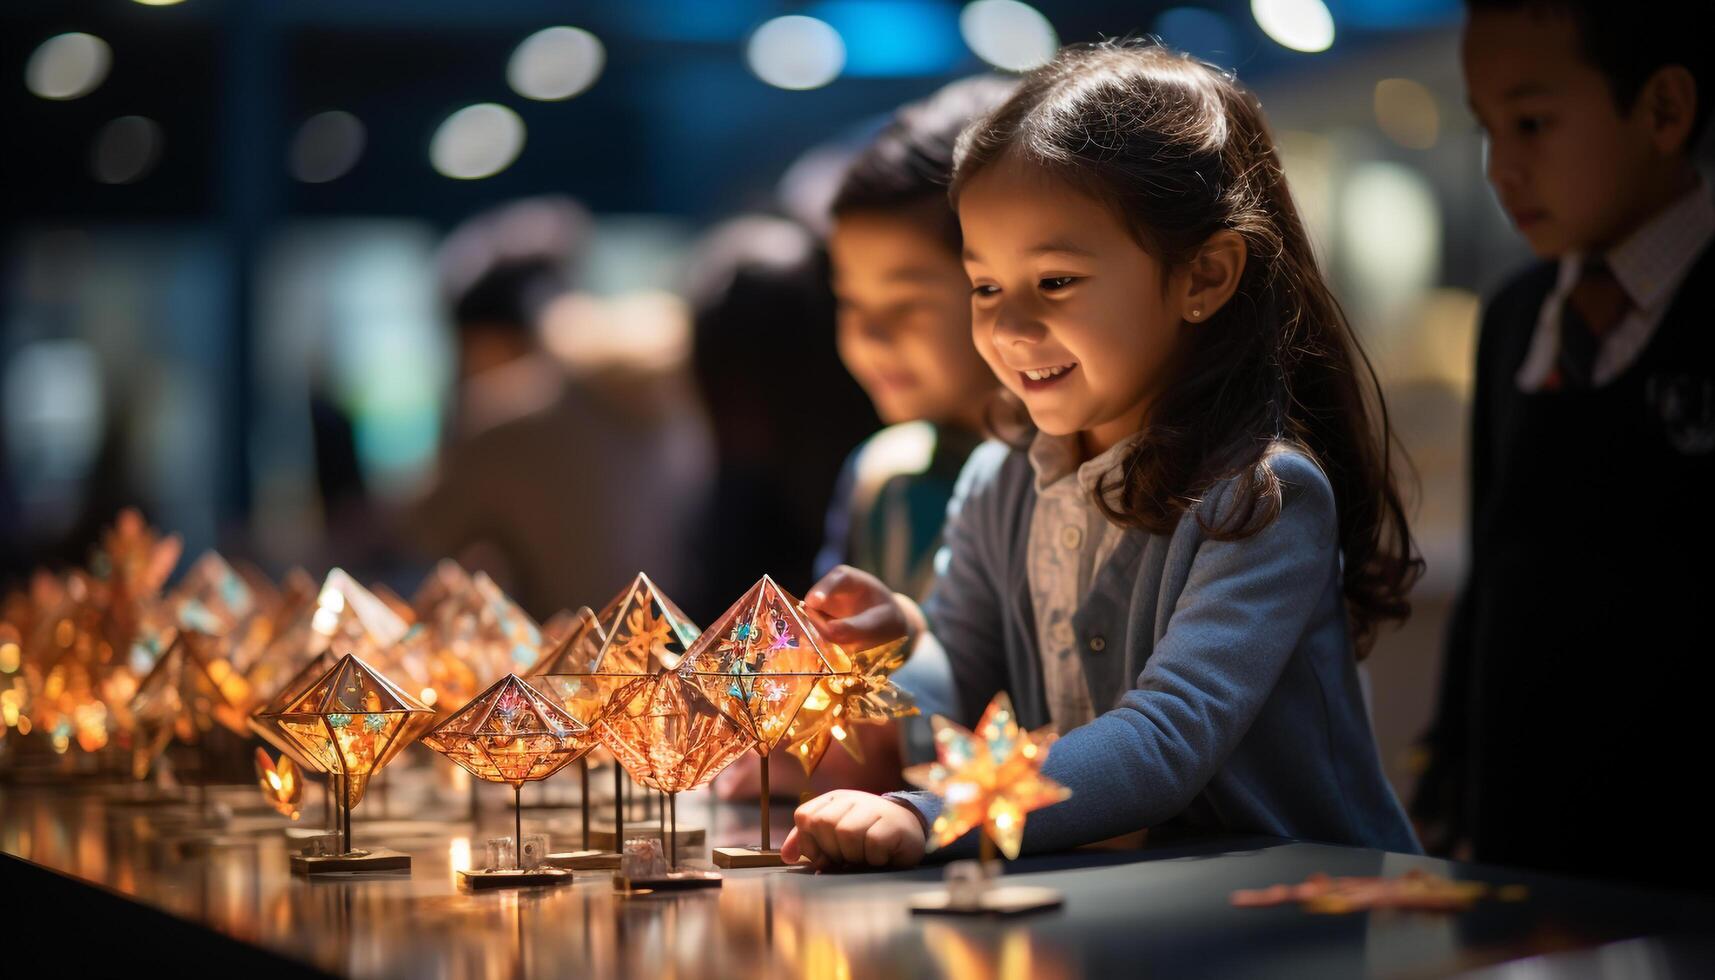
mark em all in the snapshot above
pixel 1568 735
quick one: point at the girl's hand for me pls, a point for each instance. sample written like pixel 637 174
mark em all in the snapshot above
pixel 854 608
pixel 846 827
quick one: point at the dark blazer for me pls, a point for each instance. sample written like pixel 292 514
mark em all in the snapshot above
pixel 1570 729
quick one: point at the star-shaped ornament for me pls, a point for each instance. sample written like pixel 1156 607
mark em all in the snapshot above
pixel 989 778
pixel 862 694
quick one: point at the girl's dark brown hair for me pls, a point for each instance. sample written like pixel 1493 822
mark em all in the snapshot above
pixel 1178 150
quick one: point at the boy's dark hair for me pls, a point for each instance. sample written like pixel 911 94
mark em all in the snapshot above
pixel 501 268
pixel 1178 151
pixel 510 295
pixel 1629 42
pixel 909 164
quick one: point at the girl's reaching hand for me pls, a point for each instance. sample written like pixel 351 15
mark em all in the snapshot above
pixel 854 608
pixel 846 827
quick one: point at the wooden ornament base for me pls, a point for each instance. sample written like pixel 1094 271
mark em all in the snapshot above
pixel 513 878
pixel 996 900
pixel 379 860
pixel 673 881
pixel 585 860
pixel 747 857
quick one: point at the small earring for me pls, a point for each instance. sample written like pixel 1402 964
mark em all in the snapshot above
pixel 1196 314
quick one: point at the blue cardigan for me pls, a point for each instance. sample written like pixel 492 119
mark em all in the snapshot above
pixel 1226 668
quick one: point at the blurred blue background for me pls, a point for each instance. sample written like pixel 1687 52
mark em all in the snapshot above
pixel 217 211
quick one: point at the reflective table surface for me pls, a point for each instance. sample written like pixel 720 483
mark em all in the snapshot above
pixel 1162 911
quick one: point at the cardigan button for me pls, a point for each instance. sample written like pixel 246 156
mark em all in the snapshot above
pixel 1071 536
pixel 1097 644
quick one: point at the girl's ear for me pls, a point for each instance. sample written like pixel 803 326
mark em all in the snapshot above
pixel 1212 276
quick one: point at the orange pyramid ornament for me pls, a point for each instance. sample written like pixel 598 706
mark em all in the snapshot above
pixel 352 721
pixel 670 737
pixel 758 663
pixel 645 630
pixel 185 695
pixel 569 670
pixel 344 619
pixel 212 598
pixel 639 632
pixel 567 673
pixel 468 634
pixel 513 734
pixel 265 721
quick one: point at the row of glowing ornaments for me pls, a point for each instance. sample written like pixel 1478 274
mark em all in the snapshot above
pixel 674 706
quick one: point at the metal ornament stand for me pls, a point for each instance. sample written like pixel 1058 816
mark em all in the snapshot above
pixel 587 858
pixel 761 856
pixel 516 876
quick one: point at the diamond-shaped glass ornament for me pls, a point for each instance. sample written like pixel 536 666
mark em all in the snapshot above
pixel 669 736
pixel 352 721
pixel 212 598
pixel 245 612
pixel 639 632
pixel 345 619
pixel 567 671
pixel 511 733
pixel 861 692
pixel 467 635
pixel 645 630
pixel 72 674
pixel 185 695
pixel 265 721
pixel 394 601
pixel 759 662
pixel 445 580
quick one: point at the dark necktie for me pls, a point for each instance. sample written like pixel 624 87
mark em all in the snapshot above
pixel 1593 309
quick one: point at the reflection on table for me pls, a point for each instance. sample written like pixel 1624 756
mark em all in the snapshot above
pixel 1162 910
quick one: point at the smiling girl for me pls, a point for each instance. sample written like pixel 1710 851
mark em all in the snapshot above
pixel 1187 545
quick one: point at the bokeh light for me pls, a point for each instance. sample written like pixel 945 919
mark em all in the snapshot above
pixel 68 66
pixel 1302 25
pixel 555 63
pixel 326 147
pixel 126 150
pixel 1390 230
pixel 796 52
pixel 477 141
pixel 1407 112
pixel 1009 35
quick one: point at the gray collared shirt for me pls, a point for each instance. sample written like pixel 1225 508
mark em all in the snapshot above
pixel 1069 539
